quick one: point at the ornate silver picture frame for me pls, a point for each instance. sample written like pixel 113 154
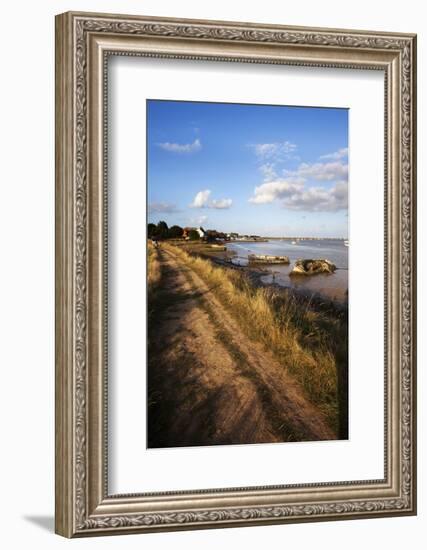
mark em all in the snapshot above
pixel 84 42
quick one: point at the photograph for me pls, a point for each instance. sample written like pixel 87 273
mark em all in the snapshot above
pixel 247 273
pixel 235 271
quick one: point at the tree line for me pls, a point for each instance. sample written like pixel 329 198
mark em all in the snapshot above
pixel 162 231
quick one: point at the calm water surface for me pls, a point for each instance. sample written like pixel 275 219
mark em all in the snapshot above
pixel 334 285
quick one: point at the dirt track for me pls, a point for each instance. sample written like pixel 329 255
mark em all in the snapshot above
pixel 209 384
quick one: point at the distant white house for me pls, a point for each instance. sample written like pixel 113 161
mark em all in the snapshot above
pixel 201 232
pixel 187 231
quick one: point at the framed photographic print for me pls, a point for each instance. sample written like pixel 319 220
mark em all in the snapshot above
pixel 235 274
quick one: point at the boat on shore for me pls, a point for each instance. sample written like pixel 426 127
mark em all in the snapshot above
pixel 312 267
pixel 268 259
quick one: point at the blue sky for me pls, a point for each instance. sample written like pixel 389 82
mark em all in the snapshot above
pixel 253 169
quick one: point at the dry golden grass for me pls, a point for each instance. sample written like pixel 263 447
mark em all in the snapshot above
pixel 304 340
pixel 153 268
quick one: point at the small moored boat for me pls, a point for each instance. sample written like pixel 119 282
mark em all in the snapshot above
pixel 268 259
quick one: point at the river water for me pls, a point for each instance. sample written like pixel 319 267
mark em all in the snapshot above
pixel 334 286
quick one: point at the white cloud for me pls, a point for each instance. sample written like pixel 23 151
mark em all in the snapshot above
pixel 220 203
pixel 293 193
pixel 272 155
pixel 319 199
pixel 337 155
pixel 291 190
pixel 162 207
pixel 274 151
pixel 324 171
pixel 202 200
pixel 268 171
pixel 276 190
pixel 181 147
